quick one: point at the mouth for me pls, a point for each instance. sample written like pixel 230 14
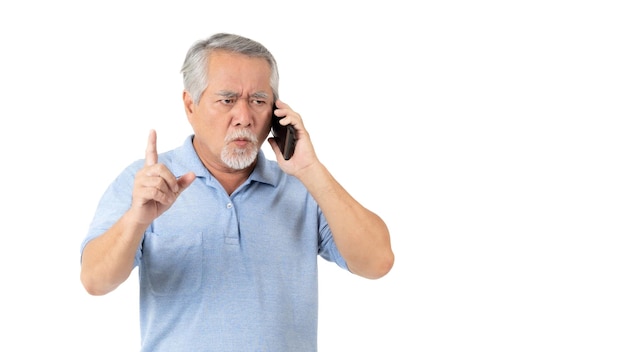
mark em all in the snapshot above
pixel 241 139
pixel 241 142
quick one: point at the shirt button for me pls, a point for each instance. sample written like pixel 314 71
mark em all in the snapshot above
pixel 229 205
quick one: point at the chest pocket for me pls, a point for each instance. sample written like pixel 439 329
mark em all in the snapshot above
pixel 173 263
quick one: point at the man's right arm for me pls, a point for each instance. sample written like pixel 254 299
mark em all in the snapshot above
pixel 108 259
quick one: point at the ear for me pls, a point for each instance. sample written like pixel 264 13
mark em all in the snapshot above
pixel 188 103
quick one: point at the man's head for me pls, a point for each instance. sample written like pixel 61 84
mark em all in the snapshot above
pixel 195 65
pixel 231 83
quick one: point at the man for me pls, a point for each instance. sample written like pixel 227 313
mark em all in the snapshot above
pixel 225 240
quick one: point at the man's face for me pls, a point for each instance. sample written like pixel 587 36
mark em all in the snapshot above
pixel 232 118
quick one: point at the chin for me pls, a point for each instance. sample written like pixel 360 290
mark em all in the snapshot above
pixel 239 159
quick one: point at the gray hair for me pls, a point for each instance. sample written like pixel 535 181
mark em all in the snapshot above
pixel 194 70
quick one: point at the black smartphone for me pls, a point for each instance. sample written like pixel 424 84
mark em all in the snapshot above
pixel 285 136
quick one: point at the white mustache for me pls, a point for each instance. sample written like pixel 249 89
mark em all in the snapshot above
pixel 240 134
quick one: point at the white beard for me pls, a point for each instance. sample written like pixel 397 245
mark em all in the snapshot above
pixel 240 158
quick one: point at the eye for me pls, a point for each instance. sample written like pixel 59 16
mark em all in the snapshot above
pixel 228 101
pixel 258 102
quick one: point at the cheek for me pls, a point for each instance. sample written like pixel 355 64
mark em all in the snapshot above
pixel 264 130
pixel 202 118
pixel 205 128
pixel 196 123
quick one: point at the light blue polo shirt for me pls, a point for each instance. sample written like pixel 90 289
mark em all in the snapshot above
pixel 227 273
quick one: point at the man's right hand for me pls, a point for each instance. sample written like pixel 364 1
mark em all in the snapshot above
pixel 155 188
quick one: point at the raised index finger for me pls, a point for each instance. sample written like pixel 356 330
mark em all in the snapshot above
pixel 151 151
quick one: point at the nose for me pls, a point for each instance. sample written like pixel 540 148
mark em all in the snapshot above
pixel 242 113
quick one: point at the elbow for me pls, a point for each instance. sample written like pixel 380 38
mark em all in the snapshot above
pixel 383 266
pixel 376 269
pixel 93 287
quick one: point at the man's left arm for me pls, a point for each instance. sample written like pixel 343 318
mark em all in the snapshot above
pixel 361 236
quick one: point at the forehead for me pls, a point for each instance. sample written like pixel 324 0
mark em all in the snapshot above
pixel 228 65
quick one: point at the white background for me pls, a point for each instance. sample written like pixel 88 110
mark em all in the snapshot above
pixel 488 134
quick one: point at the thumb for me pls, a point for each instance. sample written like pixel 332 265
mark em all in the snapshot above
pixel 151 151
pixel 185 181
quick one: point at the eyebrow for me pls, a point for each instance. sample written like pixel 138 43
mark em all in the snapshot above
pixel 227 94
pixel 231 94
pixel 260 95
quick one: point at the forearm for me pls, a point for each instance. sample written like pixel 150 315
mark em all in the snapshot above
pixel 107 260
pixel 361 236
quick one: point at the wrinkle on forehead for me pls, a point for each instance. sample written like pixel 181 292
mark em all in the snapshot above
pixel 236 76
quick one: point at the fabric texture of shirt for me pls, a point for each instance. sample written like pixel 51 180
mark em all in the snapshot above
pixel 226 273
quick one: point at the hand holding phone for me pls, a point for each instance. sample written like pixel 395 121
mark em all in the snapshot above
pixel 285 136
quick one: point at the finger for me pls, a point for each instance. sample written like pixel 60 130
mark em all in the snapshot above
pixel 185 181
pixel 281 104
pixel 158 188
pixel 161 190
pixel 161 177
pixel 151 151
pixel 283 110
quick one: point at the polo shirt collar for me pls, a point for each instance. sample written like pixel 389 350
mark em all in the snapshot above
pixel 186 159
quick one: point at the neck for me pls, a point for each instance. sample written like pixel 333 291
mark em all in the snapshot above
pixel 231 179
